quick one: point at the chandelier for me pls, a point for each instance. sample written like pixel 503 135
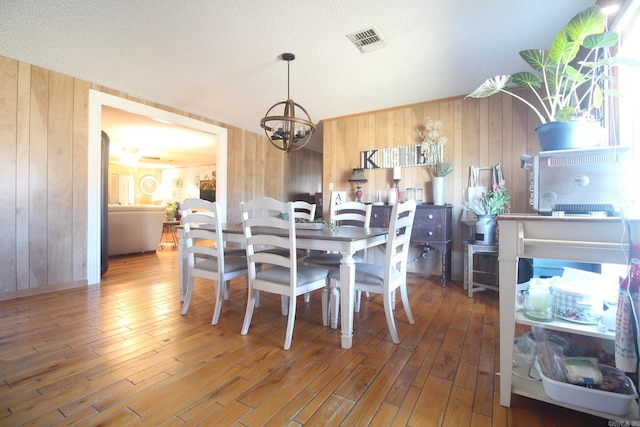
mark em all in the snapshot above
pixel 287 132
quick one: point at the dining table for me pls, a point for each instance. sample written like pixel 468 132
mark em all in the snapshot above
pixel 344 240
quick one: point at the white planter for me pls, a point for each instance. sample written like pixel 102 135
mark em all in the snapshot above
pixel 439 190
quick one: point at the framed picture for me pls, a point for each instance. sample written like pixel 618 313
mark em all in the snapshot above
pixel 338 198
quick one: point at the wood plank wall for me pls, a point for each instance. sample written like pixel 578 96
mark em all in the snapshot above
pixel 480 132
pixel 44 175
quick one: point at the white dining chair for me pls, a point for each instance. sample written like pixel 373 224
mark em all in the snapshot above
pixel 304 210
pixel 279 273
pixel 385 279
pixel 347 214
pixel 206 252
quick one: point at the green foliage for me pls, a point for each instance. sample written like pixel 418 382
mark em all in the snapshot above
pixel 491 203
pixel 443 168
pixel 565 87
pixel 172 207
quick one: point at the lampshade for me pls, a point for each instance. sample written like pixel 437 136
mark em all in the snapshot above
pixel 358 176
pixel 286 131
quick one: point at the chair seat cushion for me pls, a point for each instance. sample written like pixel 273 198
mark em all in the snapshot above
pixel 235 252
pixel 370 274
pixel 281 275
pixel 285 252
pixel 330 260
pixel 231 264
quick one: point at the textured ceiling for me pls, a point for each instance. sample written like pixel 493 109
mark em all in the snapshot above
pixel 220 59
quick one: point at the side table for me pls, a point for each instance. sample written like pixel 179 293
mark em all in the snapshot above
pixel 471 248
pixel 170 226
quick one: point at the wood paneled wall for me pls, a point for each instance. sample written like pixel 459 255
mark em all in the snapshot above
pixel 44 175
pixel 480 132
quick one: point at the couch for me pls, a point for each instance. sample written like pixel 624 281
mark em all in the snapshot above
pixel 134 228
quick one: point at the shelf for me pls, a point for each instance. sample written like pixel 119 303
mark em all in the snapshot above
pixel 566 326
pixel 596 240
pixel 533 389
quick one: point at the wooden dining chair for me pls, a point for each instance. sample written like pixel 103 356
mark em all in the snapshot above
pixel 347 214
pixel 206 252
pixel 385 279
pixel 304 210
pixel 279 273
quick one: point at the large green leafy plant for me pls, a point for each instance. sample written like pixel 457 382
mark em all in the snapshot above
pixel 566 87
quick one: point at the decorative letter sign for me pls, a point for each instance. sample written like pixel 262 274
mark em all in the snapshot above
pixel 387 158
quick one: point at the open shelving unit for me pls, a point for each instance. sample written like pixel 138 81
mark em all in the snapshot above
pixel 580 239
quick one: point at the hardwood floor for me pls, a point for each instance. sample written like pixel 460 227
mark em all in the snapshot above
pixel 121 354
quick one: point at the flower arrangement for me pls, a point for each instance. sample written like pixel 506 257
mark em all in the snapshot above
pixel 433 148
pixel 492 202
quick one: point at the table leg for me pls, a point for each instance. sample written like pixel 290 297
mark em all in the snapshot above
pixel 183 269
pixel 174 237
pixel 469 270
pixel 507 297
pixel 347 291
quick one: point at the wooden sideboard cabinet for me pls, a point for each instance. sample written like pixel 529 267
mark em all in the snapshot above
pixel 432 228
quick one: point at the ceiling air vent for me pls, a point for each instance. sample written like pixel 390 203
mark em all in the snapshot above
pixel 367 40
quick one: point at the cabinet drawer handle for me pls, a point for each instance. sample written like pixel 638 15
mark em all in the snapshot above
pixel 430 233
pixel 430 216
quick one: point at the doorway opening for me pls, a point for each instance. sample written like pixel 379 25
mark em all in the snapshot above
pixel 96 101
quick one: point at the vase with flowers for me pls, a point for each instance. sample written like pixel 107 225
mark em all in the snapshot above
pixel 433 148
pixel 493 202
pixel 172 209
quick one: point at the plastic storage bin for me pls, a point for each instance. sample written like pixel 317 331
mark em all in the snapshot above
pixel 589 398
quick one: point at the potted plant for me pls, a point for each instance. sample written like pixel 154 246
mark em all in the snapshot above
pixel 493 202
pixel 433 148
pixel 172 208
pixel 570 80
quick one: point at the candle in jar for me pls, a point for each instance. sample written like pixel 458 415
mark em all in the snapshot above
pixel 539 299
pixel 397 174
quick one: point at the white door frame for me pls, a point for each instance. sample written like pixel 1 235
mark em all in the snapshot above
pixel 98 99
